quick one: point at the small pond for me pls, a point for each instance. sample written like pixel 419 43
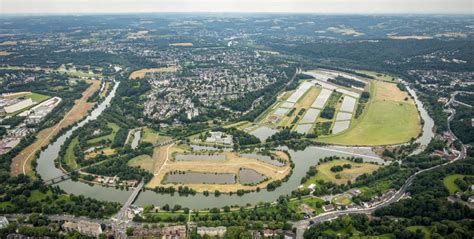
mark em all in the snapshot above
pixel 198 177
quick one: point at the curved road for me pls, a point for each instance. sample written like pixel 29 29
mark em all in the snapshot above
pixel 303 224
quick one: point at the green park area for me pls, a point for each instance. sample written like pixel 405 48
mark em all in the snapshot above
pixel 348 174
pixel 69 157
pixel 449 183
pixel 390 117
pixel 115 128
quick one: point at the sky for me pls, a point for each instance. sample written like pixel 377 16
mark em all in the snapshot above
pixel 287 6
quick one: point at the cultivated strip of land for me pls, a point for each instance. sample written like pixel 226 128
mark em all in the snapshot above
pixel 22 162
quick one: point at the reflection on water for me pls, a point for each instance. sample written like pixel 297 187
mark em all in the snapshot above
pixel 302 159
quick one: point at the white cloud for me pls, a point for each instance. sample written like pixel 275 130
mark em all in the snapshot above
pixel 311 6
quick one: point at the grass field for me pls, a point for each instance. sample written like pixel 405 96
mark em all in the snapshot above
pixel 325 173
pixel 115 128
pixel 388 119
pixel 342 199
pixel 21 163
pixel 425 230
pixel 380 76
pixel 143 161
pixel 151 136
pixel 37 98
pixel 105 151
pixel 36 195
pixel 141 73
pixel 69 157
pixel 314 203
pixel 448 182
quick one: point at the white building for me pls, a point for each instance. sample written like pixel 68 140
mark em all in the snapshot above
pixel 219 138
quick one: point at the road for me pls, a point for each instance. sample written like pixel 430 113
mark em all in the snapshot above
pixel 120 223
pixel 303 224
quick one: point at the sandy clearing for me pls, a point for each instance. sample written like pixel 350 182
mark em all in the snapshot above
pixel 231 165
pixel 141 73
pixel 22 162
pixel 389 92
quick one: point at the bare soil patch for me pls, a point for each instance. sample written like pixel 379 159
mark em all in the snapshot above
pixel 22 162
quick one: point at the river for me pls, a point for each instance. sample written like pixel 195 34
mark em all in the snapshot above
pixel 302 159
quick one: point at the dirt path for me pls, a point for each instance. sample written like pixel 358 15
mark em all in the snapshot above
pixel 22 162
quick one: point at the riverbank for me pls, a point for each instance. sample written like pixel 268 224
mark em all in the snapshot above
pixel 21 164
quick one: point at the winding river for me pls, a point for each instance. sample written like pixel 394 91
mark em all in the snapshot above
pixel 302 159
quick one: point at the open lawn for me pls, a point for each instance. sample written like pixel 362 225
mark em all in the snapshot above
pixel 425 230
pixel 314 203
pixel 22 162
pixel 143 161
pixel 151 136
pixel 115 128
pixel 37 98
pixel 377 188
pixel 379 76
pixel 36 195
pixel 69 157
pixel 388 119
pixel 325 173
pixel 141 73
pixel 105 151
pixel 342 199
pixel 448 182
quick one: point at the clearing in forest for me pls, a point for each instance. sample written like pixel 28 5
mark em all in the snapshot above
pixel 141 73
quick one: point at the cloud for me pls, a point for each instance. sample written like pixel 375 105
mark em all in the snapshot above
pixel 291 6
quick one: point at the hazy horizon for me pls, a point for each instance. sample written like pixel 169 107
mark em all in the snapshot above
pixel 236 6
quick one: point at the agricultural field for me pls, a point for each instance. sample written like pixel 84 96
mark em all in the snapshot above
pixel 325 173
pixel 390 117
pixel 141 73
